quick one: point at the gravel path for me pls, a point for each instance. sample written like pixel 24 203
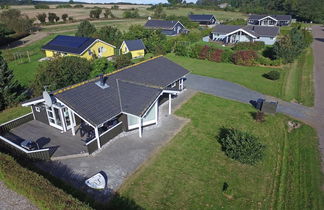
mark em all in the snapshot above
pixel 10 200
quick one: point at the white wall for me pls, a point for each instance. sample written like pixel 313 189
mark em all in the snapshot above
pixel 267 40
pixel 148 119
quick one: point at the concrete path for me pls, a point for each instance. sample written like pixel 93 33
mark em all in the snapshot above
pixel 124 154
pixel 11 200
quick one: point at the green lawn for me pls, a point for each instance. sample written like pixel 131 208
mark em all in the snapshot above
pixel 250 77
pixel 299 81
pixel 189 172
pixel 12 113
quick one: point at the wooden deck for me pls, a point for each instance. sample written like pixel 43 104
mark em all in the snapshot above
pixel 61 144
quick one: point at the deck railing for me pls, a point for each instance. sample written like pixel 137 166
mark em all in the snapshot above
pixel 7 126
pixel 40 154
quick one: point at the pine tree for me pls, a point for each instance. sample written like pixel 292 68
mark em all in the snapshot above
pixel 10 91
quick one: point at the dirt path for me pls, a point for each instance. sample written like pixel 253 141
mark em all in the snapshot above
pixel 11 200
pixel 27 40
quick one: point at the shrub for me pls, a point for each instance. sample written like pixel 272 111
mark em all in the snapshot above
pixel 227 56
pixel 123 60
pixel 272 75
pixel 241 146
pixel 64 17
pixel 268 62
pixel 195 51
pixel 215 55
pixel 181 49
pixel 78 6
pixel 203 54
pixel 41 6
pixel 244 57
pixel 95 13
pixel 52 17
pixel 115 7
pixel 249 46
pixel 41 17
pixel 133 13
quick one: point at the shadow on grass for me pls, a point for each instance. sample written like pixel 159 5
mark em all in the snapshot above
pixel 62 177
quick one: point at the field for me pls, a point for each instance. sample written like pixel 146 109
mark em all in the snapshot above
pixel 190 172
pixel 295 83
pixel 83 13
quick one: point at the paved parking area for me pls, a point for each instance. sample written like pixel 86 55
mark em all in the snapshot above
pixel 124 154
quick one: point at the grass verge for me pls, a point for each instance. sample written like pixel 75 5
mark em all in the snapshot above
pixel 299 82
pixel 190 172
pixel 35 187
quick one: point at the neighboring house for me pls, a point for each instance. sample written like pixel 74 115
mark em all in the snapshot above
pixel 232 34
pixel 167 27
pixel 118 102
pixel 270 20
pixel 83 47
pixel 208 20
pixel 135 47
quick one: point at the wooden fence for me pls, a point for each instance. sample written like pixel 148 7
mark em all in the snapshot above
pixel 7 126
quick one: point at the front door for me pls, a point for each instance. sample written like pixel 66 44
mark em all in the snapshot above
pixel 54 117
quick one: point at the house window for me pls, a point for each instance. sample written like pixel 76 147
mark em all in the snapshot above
pixel 37 109
pixel 173 85
pixel 100 50
pixel 89 52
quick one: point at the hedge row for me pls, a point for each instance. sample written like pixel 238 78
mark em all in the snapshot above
pixel 249 46
pixel 239 57
pixel 35 187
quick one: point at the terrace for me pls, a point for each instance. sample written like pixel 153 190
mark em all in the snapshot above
pixel 59 144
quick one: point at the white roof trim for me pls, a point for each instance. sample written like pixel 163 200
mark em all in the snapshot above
pixel 180 24
pixel 125 45
pixel 269 17
pixel 95 41
pixel 240 29
pixel 33 102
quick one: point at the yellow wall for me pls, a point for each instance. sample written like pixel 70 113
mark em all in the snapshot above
pixel 108 51
pixel 135 53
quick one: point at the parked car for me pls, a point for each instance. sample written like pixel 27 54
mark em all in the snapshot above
pixel 29 145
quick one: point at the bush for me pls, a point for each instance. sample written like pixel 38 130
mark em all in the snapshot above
pixel 241 146
pixel 215 55
pixel 249 46
pixel 65 17
pixel 245 57
pixel 227 56
pixel 95 13
pixel 133 13
pixel 41 17
pixel 272 75
pixel 41 6
pixel 115 7
pixel 78 6
pixel 123 60
pixel 268 62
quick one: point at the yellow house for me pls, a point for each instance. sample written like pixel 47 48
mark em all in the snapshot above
pixel 83 47
pixel 135 47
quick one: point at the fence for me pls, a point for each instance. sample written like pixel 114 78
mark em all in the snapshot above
pixel 6 127
pixel 17 150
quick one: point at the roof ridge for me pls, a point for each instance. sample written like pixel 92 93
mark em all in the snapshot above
pixel 107 74
pixel 140 84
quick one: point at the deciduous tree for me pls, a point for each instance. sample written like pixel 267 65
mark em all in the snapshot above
pixel 85 29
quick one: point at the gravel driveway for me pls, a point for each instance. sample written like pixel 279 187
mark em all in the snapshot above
pixel 10 200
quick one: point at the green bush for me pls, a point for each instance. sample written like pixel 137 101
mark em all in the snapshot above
pixel 241 146
pixel 78 6
pixel 272 75
pixel 41 6
pixel 268 62
pixel 63 6
pixel 227 56
pixel 249 46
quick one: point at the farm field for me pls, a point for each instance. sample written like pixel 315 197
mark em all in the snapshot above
pixel 83 13
pixel 191 170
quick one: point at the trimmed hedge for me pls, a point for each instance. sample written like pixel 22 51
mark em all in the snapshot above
pixel 35 187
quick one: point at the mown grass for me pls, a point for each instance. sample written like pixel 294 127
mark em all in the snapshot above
pixel 299 81
pixel 35 187
pixel 250 77
pixel 189 172
pixel 12 113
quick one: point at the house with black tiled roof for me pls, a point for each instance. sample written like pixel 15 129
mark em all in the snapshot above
pixel 167 27
pixel 269 20
pixel 127 99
